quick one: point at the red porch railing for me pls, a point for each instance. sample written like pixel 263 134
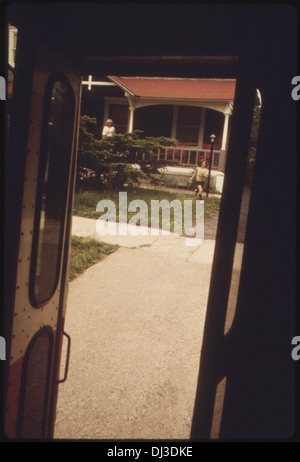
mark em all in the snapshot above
pixel 193 155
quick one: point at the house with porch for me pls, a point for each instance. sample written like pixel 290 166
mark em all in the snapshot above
pixel 189 110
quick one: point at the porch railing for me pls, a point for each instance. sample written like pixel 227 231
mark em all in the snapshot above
pixel 193 155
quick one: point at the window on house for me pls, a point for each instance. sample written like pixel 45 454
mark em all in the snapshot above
pixel 154 120
pixel 119 114
pixel 214 122
pixel 188 124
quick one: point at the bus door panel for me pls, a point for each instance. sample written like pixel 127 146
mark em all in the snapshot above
pixel 36 328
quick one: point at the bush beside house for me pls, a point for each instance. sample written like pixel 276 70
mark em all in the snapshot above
pixel 113 162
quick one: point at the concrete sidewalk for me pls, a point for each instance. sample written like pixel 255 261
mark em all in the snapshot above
pixel 200 251
pixel 136 321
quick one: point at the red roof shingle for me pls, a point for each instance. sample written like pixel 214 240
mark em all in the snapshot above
pixel 194 89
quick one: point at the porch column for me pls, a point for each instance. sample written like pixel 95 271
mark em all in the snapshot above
pixel 131 117
pixel 225 131
pixel 106 111
pixel 202 127
pixel 131 108
pixel 174 122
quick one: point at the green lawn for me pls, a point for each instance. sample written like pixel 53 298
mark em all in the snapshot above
pixel 86 252
pixel 85 202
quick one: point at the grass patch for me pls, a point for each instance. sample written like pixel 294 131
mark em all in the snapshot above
pixel 85 252
pixel 85 202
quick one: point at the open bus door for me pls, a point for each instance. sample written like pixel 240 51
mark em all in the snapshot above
pixel 247 377
pixel 41 165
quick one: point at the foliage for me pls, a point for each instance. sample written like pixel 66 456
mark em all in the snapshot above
pixel 113 162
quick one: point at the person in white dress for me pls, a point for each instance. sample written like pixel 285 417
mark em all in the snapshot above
pixel 109 129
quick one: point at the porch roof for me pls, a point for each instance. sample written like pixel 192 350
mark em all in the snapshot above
pixel 178 88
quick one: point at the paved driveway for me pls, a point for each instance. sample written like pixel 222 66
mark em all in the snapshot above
pixel 136 320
